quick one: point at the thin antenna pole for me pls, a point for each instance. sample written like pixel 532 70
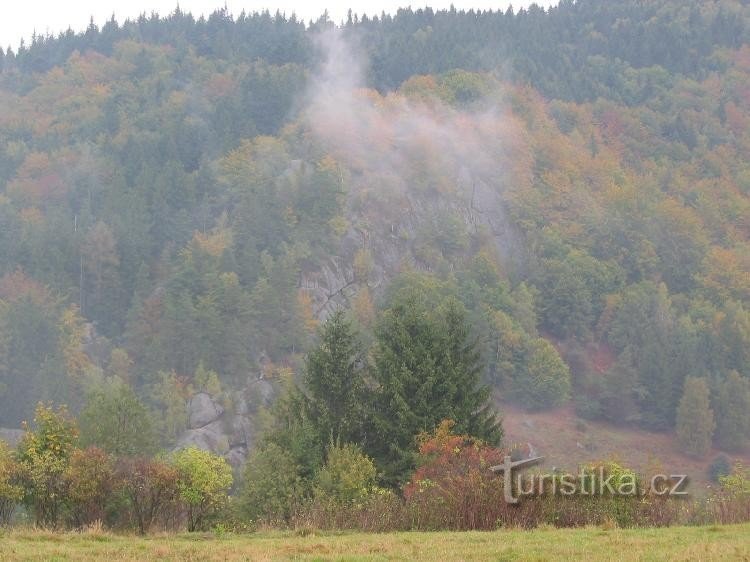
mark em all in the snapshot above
pixel 80 288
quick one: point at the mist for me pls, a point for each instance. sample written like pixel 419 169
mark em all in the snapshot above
pixel 409 150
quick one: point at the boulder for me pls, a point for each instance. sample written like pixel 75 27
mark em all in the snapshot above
pixel 210 437
pixel 202 410
pixel 227 433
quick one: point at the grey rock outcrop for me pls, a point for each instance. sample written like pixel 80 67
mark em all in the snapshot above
pixel 392 241
pixel 230 433
pixel 202 410
pixel 210 437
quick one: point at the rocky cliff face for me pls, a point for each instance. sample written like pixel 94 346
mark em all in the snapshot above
pixel 390 245
pixel 393 243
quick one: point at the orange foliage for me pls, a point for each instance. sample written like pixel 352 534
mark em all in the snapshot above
pixel 37 179
pixel 219 86
pixel 454 464
pixel 727 274
pixel 17 285
pixel 307 312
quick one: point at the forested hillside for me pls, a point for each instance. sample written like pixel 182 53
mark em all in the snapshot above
pixel 185 202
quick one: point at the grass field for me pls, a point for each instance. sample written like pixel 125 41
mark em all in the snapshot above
pixel 677 543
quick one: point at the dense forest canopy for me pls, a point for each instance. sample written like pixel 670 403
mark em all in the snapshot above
pixel 185 200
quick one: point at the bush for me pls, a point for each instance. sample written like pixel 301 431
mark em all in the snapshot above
pixel 204 483
pixel 90 483
pixel 587 407
pixel 381 511
pixel 150 487
pixel 11 491
pixel 44 456
pixel 272 488
pixel 732 503
pixel 738 482
pixel 453 487
pixel 719 467
pixel 347 477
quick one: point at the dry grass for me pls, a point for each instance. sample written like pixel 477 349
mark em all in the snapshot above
pixel 677 543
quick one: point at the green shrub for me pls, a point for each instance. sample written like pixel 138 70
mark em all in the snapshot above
pixel 719 468
pixel 204 483
pixel 272 487
pixel 11 492
pixel 44 455
pixel 347 477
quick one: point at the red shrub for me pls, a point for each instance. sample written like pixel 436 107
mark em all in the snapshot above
pixel 90 480
pixel 151 488
pixel 453 486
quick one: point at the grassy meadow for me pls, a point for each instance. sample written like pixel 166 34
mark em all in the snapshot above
pixel 546 544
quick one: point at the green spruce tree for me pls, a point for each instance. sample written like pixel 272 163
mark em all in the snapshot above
pixel 695 418
pixel 733 412
pixel 334 382
pixel 427 370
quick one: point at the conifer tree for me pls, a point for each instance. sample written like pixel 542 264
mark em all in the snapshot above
pixel 733 412
pixel 427 370
pixel 472 412
pixel 621 387
pixel 695 418
pixel 334 383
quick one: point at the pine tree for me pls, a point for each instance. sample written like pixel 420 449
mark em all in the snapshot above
pixel 427 371
pixel 472 412
pixel 333 380
pixel 621 387
pixel 733 412
pixel 695 418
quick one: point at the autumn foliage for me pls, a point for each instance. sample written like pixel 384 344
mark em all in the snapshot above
pixel 453 486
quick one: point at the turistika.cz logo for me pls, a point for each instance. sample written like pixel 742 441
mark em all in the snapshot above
pixel 600 480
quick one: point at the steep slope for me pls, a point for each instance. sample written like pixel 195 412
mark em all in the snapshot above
pixel 186 196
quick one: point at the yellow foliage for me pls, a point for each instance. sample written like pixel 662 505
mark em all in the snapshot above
pixel 32 216
pixel 73 332
pixel 362 265
pixel 339 225
pixel 727 275
pixel 363 307
pixel 307 313
pixel 213 243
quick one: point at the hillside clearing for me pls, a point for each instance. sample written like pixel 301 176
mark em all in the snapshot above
pixel 567 442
